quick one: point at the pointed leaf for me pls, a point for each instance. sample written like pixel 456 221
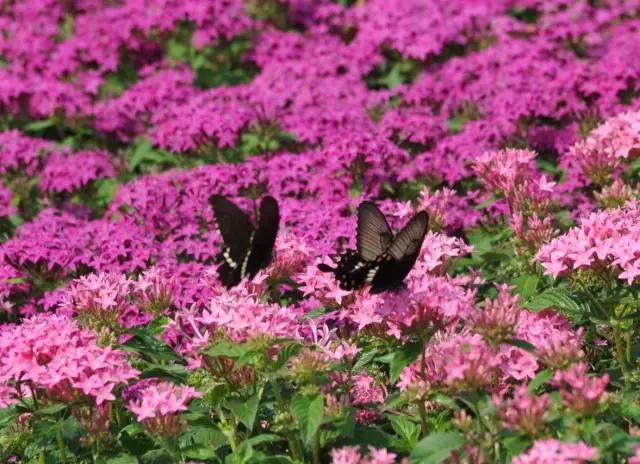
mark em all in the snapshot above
pixel 436 447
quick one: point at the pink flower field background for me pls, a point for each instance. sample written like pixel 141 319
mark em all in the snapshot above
pixel 515 124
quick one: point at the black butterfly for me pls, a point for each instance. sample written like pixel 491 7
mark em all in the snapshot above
pixel 246 249
pixel 380 259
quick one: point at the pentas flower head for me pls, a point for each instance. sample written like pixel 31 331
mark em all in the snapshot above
pixel 557 344
pixel 513 174
pixel 447 210
pixel 98 299
pixel 498 320
pixel 241 316
pixel 65 172
pixel 551 451
pixel 525 412
pixel 455 362
pixel 607 239
pixel 602 154
pixel 61 361
pixel 531 233
pixel 19 153
pixel 322 286
pixel 580 392
pixel 234 314
pixel 435 257
pixel 129 114
pixel 616 194
pixel 158 407
pixel 353 455
pixel 430 303
pixel 154 290
pixel 291 254
pixel 360 390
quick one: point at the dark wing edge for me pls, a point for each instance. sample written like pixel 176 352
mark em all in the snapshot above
pixel 262 243
pixel 409 240
pixel 268 222
pixel 374 235
pixel 234 225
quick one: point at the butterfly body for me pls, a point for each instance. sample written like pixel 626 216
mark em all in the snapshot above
pixel 381 259
pixel 246 249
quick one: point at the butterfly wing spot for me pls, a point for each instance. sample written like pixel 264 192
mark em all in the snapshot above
pixel 245 261
pixel 371 274
pixel 228 259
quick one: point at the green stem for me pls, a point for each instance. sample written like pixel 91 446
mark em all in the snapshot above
pixel 316 448
pixel 621 355
pixel 293 450
pixel 423 418
pixel 61 446
pixel 423 371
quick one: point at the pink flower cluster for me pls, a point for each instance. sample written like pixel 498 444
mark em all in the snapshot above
pixel 555 452
pixel 600 156
pixel 59 361
pixel 605 241
pixel 353 455
pixel 161 399
pixel 580 392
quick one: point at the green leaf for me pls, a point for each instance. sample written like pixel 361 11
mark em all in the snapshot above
pixel 106 189
pixel 406 428
pixel 264 438
pixel 309 411
pixel 52 409
pixel 245 410
pixel 315 313
pixel 539 380
pixel 436 447
pixel 36 126
pixel 526 286
pixel 522 344
pixel 365 358
pixel 402 358
pixel 286 352
pixel 558 299
pixel 314 416
pixel 227 349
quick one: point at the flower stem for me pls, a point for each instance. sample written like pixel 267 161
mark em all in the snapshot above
pixel 61 446
pixel 316 447
pixel 621 355
pixel 423 418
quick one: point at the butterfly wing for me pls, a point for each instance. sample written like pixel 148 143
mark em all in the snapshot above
pixel 236 231
pixel 261 248
pixel 351 271
pixel 409 240
pixel 403 253
pixel 374 235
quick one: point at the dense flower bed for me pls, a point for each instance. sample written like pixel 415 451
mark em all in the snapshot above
pixel 514 123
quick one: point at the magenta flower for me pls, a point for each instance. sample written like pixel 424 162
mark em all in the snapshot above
pixel 100 299
pixel 555 452
pixel 352 455
pixel 606 240
pixel 525 412
pixel 458 362
pixel 580 392
pixel 68 172
pixel 498 320
pixel 61 361
pixel 158 407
